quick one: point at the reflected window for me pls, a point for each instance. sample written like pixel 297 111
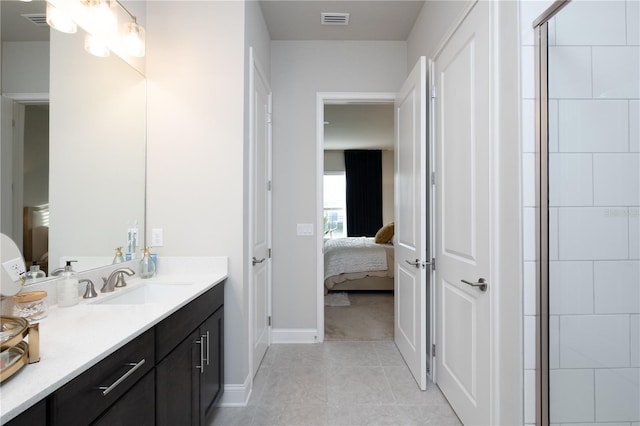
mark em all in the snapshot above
pixel 335 205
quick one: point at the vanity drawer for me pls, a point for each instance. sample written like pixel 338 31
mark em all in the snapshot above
pixel 82 400
pixel 171 331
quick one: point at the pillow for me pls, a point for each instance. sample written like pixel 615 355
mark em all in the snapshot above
pixel 384 234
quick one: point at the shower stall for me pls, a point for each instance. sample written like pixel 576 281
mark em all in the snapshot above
pixel 588 158
pixel 588 113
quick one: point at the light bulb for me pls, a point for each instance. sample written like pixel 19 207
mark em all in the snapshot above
pixel 135 40
pixel 59 20
pixel 95 46
pixel 104 20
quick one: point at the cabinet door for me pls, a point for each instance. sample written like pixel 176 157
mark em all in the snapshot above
pixel 135 408
pixel 34 416
pixel 212 380
pixel 177 384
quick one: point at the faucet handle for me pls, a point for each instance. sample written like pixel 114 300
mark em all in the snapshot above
pixel 90 291
pixel 105 286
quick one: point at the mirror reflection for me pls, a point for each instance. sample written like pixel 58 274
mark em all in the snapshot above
pixel 75 181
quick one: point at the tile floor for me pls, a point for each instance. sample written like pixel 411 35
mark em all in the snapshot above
pixel 337 383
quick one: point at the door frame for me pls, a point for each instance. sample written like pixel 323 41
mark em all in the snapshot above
pixel 506 223
pixel 322 99
pixel 255 66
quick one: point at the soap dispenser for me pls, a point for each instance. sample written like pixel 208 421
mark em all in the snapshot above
pixel 118 257
pixel 67 287
pixel 34 273
pixel 147 265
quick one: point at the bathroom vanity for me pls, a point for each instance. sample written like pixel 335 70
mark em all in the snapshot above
pixel 149 354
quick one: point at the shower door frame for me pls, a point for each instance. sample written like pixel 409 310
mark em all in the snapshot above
pixel 542 213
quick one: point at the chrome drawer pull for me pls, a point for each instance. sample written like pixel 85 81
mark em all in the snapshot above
pixel 207 337
pixel 201 343
pixel 135 366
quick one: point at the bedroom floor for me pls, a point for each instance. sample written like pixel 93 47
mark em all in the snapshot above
pixel 337 383
pixel 369 317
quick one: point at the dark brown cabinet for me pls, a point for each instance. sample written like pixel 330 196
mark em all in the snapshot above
pixel 189 378
pixel 34 416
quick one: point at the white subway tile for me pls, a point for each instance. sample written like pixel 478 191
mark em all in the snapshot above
pixel 569 72
pixel 570 180
pixel 618 394
pixel 617 287
pixel 593 126
pixel 634 335
pixel 529 342
pixel 634 233
pixel 530 294
pixel 633 22
pixel 634 126
pixel 587 23
pixel 529 233
pixel 530 396
pixel 554 237
pixel 529 180
pixel 616 72
pixel 571 394
pixel 592 233
pixel 528 125
pixel 553 125
pixel 554 341
pixel 570 288
pixel 594 341
pixel 616 179
pixel 528 72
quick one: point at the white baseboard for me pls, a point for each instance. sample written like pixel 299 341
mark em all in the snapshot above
pixel 294 335
pixel 236 395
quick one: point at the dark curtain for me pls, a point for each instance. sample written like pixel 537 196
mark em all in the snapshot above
pixel 363 171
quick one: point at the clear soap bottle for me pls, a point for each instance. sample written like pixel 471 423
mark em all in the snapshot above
pixel 34 273
pixel 118 257
pixel 67 287
pixel 147 265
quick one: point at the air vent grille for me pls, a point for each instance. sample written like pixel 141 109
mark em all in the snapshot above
pixel 334 18
pixel 39 19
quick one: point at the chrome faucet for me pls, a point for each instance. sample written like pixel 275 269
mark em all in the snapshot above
pixel 56 272
pixel 116 279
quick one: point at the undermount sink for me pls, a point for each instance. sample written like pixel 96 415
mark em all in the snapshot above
pixel 143 294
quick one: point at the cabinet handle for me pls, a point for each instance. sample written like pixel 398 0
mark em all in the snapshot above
pixel 207 336
pixel 134 366
pixel 201 343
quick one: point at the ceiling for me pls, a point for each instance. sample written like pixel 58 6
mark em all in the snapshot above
pixel 16 28
pixel 358 126
pixel 369 19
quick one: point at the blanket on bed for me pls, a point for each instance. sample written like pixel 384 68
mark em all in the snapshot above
pixel 359 254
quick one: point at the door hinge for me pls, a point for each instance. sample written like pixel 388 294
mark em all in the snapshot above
pixel 269 320
pixel 433 263
pixel 433 92
pixel 269 252
pixel 269 118
pixel 433 349
pixel 269 185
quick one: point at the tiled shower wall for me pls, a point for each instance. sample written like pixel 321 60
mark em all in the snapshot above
pixel 594 197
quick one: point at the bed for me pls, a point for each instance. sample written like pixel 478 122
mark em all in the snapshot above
pixel 357 263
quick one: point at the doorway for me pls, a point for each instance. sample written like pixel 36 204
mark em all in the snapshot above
pixel 358 199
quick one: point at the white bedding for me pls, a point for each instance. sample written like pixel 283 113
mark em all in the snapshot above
pixel 355 254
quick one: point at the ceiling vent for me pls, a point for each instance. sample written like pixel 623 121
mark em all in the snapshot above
pixel 334 18
pixel 39 19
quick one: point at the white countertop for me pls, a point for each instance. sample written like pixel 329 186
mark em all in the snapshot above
pixel 75 338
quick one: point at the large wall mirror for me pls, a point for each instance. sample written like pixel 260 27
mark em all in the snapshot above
pixel 73 160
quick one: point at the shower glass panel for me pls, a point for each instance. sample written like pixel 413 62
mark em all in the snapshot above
pixel 594 213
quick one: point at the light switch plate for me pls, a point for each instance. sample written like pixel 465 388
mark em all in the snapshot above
pixel 157 237
pixel 305 229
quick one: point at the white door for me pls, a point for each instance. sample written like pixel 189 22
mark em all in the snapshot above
pixel 462 130
pixel 411 264
pixel 260 213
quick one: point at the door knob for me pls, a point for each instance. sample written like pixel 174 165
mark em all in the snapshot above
pixel 481 284
pixel 255 261
pixel 416 263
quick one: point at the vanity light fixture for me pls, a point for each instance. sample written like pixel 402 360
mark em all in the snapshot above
pixel 103 18
pixel 134 39
pixel 95 46
pixel 59 20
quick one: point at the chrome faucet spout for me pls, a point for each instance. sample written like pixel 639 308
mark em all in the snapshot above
pixel 116 279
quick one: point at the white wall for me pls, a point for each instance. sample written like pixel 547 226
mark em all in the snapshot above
pixel 196 174
pixel 25 67
pixel 299 70
pixel 36 155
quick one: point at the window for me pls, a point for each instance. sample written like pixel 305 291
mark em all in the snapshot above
pixel 335 205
